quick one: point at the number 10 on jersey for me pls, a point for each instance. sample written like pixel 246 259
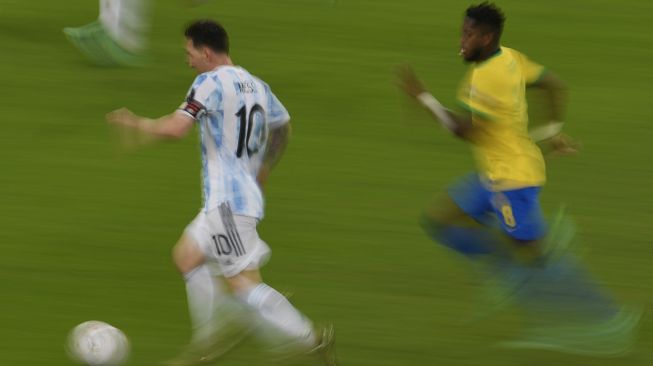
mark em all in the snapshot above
pixel 252 131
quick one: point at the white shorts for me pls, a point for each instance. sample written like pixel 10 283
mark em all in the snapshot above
pixel 229 242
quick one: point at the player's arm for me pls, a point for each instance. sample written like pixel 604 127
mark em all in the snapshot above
pixel 550 135
pixel 556 93
pixel 172 126
pixel 459 124
pixel 277 142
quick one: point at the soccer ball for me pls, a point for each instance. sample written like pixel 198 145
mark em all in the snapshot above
pixel 97 343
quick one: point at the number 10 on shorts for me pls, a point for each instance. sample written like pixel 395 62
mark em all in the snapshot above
pixel 228 245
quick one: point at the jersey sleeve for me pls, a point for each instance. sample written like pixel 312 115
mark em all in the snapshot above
pixel 277 115
pixel 201 96
pixel 533 71
pixel 476 95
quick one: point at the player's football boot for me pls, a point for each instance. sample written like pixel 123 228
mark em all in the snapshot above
pixel 93 41
pixel 296 351
pixel 612 338
pixel 326 346
pixel 213 348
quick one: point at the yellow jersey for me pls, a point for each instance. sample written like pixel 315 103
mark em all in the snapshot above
pixel 494 91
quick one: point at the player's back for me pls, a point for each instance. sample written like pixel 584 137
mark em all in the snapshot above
pixel 239 111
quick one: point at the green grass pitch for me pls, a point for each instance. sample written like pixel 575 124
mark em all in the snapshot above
pixel 86 231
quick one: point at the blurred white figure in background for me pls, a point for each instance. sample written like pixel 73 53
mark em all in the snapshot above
pixel 119 35
pixel 127 22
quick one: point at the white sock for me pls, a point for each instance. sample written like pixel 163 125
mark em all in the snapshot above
pixel 127 22
pixel 274 308
pixel 206 299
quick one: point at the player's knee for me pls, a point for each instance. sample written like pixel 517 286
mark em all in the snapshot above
pixel 464 240
pixel 178 258
pixel 244 281
pixel 432 225
pixel 186 256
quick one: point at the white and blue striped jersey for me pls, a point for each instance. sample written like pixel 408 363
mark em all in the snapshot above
pixel 235 111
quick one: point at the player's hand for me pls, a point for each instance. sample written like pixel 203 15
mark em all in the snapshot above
pixel 126 131
pixel 408 81
pixel 561 145
pixel 122 116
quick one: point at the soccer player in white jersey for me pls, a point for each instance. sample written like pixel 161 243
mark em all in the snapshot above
pixel 119 37
pixel 243 131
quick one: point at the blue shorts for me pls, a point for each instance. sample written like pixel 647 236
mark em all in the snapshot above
pixel 517 210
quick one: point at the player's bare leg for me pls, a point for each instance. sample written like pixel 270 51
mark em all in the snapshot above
pixel 216 316
pixel 483 246
pixel 567 309
pixel 542 277
pixel 276 311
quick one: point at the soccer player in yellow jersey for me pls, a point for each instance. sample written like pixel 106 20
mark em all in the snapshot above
pixel 511 168
pixel 503 193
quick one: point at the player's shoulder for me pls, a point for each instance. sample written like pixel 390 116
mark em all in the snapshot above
pixel 223 73
pixel 515 54
pixel 497 66
pixel 511 51
pixel 207 79
pixel 242 74
pixel 502 59
pixel 489 70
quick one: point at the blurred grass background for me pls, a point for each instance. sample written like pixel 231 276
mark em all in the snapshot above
pixel 86 231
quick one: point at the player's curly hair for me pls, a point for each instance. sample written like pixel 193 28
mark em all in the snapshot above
pixel 488 15
pixel 208 33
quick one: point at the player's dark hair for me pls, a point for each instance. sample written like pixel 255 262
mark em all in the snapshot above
pixel 208 33
pixel 488 15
